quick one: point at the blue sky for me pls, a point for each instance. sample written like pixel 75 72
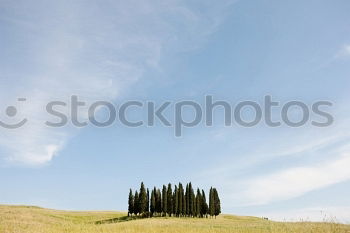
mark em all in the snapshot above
pixel 175 50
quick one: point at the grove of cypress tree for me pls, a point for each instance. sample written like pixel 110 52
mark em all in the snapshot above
pixel 179 203
pixel 131 203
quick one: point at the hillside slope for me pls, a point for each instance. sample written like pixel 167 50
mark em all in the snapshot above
pixel 27 219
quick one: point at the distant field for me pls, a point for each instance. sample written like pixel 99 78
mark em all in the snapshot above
pixel 24 219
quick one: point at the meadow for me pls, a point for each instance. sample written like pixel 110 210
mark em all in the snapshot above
pixel 30 219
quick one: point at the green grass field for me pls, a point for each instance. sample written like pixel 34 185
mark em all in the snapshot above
pixel 23 219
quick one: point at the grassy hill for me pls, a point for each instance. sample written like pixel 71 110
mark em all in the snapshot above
pixel 29 219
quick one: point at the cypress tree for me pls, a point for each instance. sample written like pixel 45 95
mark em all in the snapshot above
pixel 147 206
pixel 176 201
pixel 158 202
pixel 187 200
pixel 211 203
pixel 180 199
pixel 143 199
pixel 194 206
pixel 191 200
pixel 153 202
pixel 164 201
pixel 136 203
pixel 131 203
pixel 198 203
pixel 204 208
pixel 217 204
pixel 169 208
pixel 184 203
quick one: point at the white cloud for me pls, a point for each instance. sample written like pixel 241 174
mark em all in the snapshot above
pixel 296 181
pixel 92 49
pixel 343 52
pixel 347 49
pixel 278 166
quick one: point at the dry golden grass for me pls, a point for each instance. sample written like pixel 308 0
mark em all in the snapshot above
pixel 25 219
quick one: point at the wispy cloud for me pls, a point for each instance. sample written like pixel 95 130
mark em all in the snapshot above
pixel 320 161
pixel 277 167
pixel 346 50
pixel 92 49
pixel 296 181
pixel 343 52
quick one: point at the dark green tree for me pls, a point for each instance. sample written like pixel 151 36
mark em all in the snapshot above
pixel 191 200
pixel 184 203
pixel 147 206
pixel 187 194
pixel 153 202
pixel 164 200
pixel 176 201
pixel 204 208
pixel 143 199
pixel 158 202
pixel 169 200
pixel 136 203
pixel 169 208
pixel 131 203
pixel 217 204
pixel 199 203
pixel 211 203
pixel 180 200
